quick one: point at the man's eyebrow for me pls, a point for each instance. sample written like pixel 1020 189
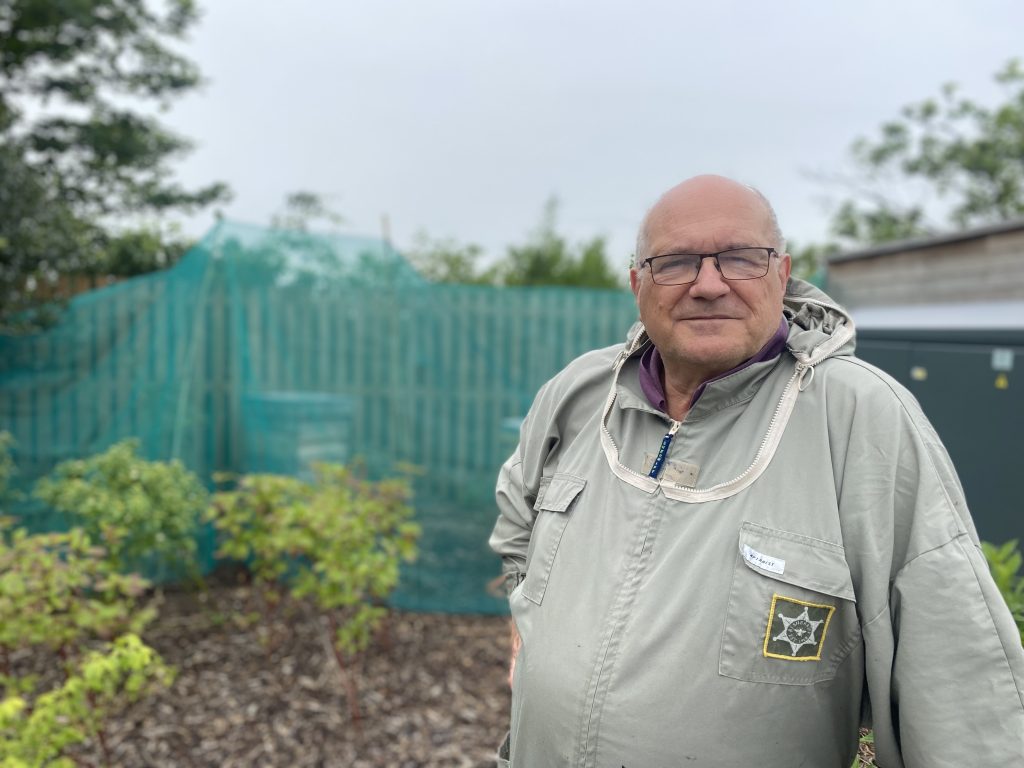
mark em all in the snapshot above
pixel 732 246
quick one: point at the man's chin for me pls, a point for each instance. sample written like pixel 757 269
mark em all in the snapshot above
pixel 717 358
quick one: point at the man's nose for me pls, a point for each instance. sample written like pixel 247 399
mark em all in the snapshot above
pixel 709 283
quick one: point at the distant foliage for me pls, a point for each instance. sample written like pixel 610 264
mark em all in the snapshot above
pixel 809 259
pixel 964 159
pixel 137 509
pixel 302 208
pixel 546 258
pixel 449 261
pixel 76 152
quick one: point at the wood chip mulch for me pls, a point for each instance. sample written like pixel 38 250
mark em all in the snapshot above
pixel 432 692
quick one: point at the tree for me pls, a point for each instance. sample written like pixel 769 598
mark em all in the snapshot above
pixel 546 258
pixel 74 155
pixel 301 208
pixel 448 261
pixel 39 233
pixel 808 259
pixel 967 156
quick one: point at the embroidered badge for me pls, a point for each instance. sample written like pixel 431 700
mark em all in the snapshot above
pixel 796 629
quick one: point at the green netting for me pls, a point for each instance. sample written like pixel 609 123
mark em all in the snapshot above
pixel 264 350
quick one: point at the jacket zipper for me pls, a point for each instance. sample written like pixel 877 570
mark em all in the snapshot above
pixel 666 441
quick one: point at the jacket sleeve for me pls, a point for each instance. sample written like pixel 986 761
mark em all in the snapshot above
pixel 519 482
pixel 944 663
pixel 957 665
pixel 511 535
pixel 562 409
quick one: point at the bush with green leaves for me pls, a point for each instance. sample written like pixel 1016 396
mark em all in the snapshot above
pixel 337 542
pixel 1004 562
pixel 60 595
pixel 141 511
pixel 58 590
pixel 38 731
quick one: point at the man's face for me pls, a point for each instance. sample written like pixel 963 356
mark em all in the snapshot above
pixel 711 325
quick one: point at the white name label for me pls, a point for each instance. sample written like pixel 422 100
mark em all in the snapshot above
pixel 768 563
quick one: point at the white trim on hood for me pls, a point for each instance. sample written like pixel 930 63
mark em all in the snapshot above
pixel 805 361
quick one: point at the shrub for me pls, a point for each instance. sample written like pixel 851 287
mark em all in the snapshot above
pixel 37 732
pixel 58 590
pixel 59 594
pixel 136 508
pixel 338 542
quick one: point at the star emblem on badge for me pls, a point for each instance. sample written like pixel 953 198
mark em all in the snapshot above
pixel 798 631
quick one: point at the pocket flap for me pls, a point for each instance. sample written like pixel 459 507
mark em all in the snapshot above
pixel 559 493
pixel 803 561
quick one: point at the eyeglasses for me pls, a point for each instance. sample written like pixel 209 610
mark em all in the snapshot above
pixel 733 264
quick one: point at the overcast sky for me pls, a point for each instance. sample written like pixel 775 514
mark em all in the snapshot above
pixel 460 117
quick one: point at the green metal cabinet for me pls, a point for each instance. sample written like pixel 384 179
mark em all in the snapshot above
pixel 970 383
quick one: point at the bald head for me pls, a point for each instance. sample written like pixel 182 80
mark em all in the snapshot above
pixel 712 323
pixel 703 198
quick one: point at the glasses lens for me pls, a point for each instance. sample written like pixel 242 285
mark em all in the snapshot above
pixel 744 263
pixel 675 268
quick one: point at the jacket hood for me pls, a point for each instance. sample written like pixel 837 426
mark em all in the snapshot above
pixel 819 327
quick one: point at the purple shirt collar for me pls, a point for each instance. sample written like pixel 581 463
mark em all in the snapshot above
pixel 652 368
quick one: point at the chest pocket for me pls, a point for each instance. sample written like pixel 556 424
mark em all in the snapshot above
pixel 792 615
pixel 554 505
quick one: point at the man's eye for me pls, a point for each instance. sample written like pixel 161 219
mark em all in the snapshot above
pixel 675 263
pixel 741 262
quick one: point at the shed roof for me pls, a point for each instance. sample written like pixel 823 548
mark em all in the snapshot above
pixel 931 241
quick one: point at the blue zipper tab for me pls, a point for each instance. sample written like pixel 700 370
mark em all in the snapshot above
pixel 666 441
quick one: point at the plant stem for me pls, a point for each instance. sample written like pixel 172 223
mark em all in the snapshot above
pixel 347 676
pixel 99 732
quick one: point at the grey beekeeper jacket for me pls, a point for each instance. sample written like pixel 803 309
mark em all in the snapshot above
pixel 803 563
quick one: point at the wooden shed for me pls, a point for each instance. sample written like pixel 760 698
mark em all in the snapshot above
pixel 977 265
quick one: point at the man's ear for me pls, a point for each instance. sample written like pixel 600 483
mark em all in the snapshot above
pixel 634 281
pixel 785 267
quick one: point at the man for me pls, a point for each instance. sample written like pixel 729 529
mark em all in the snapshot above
pixel 732 543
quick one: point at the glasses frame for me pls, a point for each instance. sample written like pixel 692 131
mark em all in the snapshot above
pixel 771 252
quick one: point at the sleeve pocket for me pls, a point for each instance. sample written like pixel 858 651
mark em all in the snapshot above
pixel 554 505
pixel 792 615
